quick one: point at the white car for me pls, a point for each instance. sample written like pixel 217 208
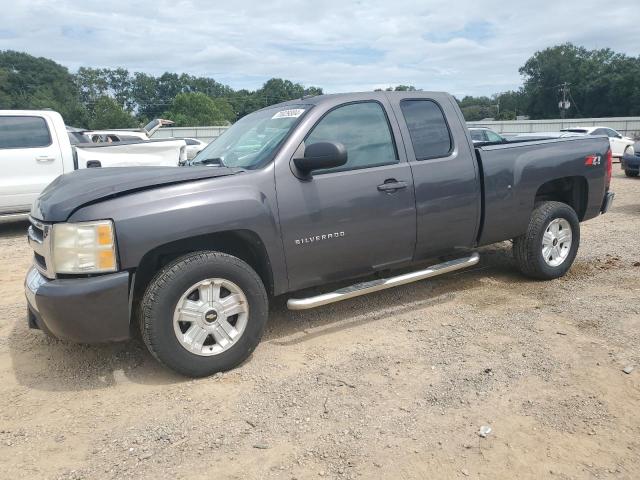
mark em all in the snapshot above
pixel 35 148
pixel 545 135
pixel 194 147
pixel 485 135
pixel 619 143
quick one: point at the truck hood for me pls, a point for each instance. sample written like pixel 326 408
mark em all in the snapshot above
pixel 71 191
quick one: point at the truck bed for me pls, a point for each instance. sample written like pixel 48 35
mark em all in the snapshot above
pixel 513 174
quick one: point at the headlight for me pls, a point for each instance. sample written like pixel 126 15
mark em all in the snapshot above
pixel 87 247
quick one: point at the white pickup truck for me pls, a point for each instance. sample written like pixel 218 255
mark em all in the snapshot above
pixel 35 149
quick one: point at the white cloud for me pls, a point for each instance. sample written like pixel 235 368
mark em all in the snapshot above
pixel 465 47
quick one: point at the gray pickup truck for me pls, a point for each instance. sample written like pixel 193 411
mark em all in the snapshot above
pixel 307 193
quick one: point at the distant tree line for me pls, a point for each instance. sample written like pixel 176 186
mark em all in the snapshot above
pixel 600 83
pixel 100 98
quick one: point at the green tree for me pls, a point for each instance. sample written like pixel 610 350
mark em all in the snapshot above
pixel 194 109
pixel 405 88
pixel 477 108
pixel 226 109
pixel 108 113
pixel 601 82
pixel 144 97
pixel 35 82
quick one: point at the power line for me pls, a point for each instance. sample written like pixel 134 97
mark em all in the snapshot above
pixel 575 104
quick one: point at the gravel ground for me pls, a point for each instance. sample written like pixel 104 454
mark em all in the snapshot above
pixel 393 385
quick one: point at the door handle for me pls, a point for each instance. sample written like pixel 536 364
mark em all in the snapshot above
pixel 44 159
pixel 392 185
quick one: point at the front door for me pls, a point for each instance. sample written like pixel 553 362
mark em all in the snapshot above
pixel 29 159
pixel 348 221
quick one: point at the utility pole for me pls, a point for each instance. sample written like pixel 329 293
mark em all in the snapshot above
pixel 564 104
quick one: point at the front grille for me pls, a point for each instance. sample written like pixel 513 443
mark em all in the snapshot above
pixel 36 231
pixel 39 236
pixel 40 260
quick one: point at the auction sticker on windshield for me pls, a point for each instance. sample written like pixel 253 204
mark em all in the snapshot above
pixel 291 113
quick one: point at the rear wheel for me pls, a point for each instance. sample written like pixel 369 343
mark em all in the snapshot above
pixel 549 247
pixel 203 313
pixel 631 173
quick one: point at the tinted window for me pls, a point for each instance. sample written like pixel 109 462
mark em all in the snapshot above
pixel 599 131
pixel 576 130
pixel 493 136
pixel 362 128
pixel 24 132
pixel 190 141
pixel 428 129
pixel 477 135
pixel 129 138
pixel 611 133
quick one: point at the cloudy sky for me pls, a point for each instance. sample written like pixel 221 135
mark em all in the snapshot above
pixel 461 46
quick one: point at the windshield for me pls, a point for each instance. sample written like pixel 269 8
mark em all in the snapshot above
pixel 252 140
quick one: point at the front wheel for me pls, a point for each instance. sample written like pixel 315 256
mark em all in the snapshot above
pixel 549 247
pixel 203 313
pixel 631 173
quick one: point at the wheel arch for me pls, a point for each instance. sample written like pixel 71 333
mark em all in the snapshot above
pixel 244 244
pixel 574 191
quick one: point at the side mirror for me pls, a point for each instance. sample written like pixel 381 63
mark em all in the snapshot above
pixel 321 155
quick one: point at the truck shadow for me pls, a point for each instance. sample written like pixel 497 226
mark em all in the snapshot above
pixel 44 363
pixel 13 228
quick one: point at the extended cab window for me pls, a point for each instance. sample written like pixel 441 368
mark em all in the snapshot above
pixel 24 132
pixel 364 129
pixel 428 129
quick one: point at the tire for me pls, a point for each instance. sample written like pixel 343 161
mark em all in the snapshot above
pixel 208 276
pixel 528 248
pixel 631 173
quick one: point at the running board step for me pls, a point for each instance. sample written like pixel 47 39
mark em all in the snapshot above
pixel 381 284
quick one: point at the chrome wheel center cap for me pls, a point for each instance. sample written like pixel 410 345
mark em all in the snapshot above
pixel 211 316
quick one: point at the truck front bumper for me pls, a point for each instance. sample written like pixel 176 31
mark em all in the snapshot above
pixel 82 310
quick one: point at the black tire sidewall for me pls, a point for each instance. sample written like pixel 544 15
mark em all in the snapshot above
pixel 559 211
pixel 182 275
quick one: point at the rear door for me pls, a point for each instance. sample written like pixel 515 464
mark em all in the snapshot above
pixel 29 157
pixel 348 221
pixel 445 173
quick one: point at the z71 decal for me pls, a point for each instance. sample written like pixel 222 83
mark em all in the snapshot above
pixel 593 160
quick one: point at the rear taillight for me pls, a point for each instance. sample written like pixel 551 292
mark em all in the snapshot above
pixel 609 168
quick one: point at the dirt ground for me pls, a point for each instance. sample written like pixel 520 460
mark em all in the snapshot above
pixel 392 385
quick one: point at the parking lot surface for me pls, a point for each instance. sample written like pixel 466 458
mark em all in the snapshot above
pixel 391 385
